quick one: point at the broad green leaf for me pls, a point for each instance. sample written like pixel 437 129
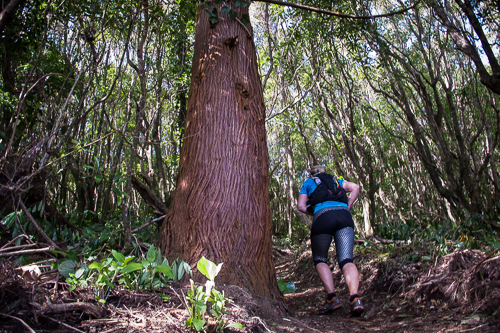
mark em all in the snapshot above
pixel 151 255
pixel 79 272
pixel 235 325
pixel 117 176
pixel 132 267
pixel 106 262
pixel 225 9
pixel 66 267
pixel 201 306
pixel 98 179
pixel 9 220
pixel 167 270
pixel 158 257
pixel 198 324
pixel 208 268
pixel 286 287
pixel 180 271
pixel 95 265
pixel 187 269
pixel 127 260
pixel 145 277
pixel 117 191
pixel 118 256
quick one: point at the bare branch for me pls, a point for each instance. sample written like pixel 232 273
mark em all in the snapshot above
pixel 336 14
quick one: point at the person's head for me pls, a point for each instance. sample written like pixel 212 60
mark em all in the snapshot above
pixel 315 169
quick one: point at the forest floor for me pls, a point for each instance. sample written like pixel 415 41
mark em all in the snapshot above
pixel 403 290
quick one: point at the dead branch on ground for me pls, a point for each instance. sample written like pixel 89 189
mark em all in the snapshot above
pixel 68 307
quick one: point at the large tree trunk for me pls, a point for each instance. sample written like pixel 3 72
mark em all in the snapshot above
pixel 220 208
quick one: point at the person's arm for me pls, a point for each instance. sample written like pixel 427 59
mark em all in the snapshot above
pixel 353 190
pixel 302 204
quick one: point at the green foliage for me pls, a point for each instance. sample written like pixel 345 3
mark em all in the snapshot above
pixel 150 272
pixel 9 220
pixel 19 224
pixel 179 267
pixel 213 15
pixel 208 268
pixel 209 302
pixel 445 236
pixel 285 242
pixel 286 287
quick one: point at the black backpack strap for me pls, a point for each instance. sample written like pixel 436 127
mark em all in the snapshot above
pixel 327 189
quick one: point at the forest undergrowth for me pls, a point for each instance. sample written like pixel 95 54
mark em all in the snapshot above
pixel 406 287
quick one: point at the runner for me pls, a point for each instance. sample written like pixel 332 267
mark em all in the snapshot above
pixel 325 198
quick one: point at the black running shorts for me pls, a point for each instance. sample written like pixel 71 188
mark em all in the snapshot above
pixel 337 223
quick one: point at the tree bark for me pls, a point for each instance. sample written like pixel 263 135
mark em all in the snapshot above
pixel 220 208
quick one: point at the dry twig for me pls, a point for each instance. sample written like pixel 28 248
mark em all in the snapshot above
pixel 19 319
pixel 3 249
pixel 37 227
pixel 63 324
pixel 485 258
pixel 21 252
pixel 12 241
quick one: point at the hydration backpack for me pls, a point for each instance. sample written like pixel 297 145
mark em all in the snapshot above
pixel 327 189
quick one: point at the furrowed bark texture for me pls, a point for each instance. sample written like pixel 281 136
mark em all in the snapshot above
pixel 220 208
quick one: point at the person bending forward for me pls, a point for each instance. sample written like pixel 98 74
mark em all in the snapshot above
pixel 333 219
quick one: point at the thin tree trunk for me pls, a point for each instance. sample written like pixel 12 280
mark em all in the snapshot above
pixel 140 116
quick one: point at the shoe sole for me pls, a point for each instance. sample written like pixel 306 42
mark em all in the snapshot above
pixel 328 311
pixel 356 312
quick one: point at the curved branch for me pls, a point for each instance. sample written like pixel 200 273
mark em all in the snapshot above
pixel 9 11
pixel 336 14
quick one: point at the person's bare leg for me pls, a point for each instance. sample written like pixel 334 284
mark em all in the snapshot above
pixel 325 274
pixel 332 302
pixel 351 276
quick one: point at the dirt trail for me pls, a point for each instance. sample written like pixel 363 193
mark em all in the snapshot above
pixel 451 294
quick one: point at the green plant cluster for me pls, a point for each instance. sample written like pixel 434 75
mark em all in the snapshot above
pixel 214 15
pixel 473 233
pixel 209 304
pixel 151 272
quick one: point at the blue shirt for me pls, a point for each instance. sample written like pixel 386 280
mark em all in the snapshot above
pixel 310 185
